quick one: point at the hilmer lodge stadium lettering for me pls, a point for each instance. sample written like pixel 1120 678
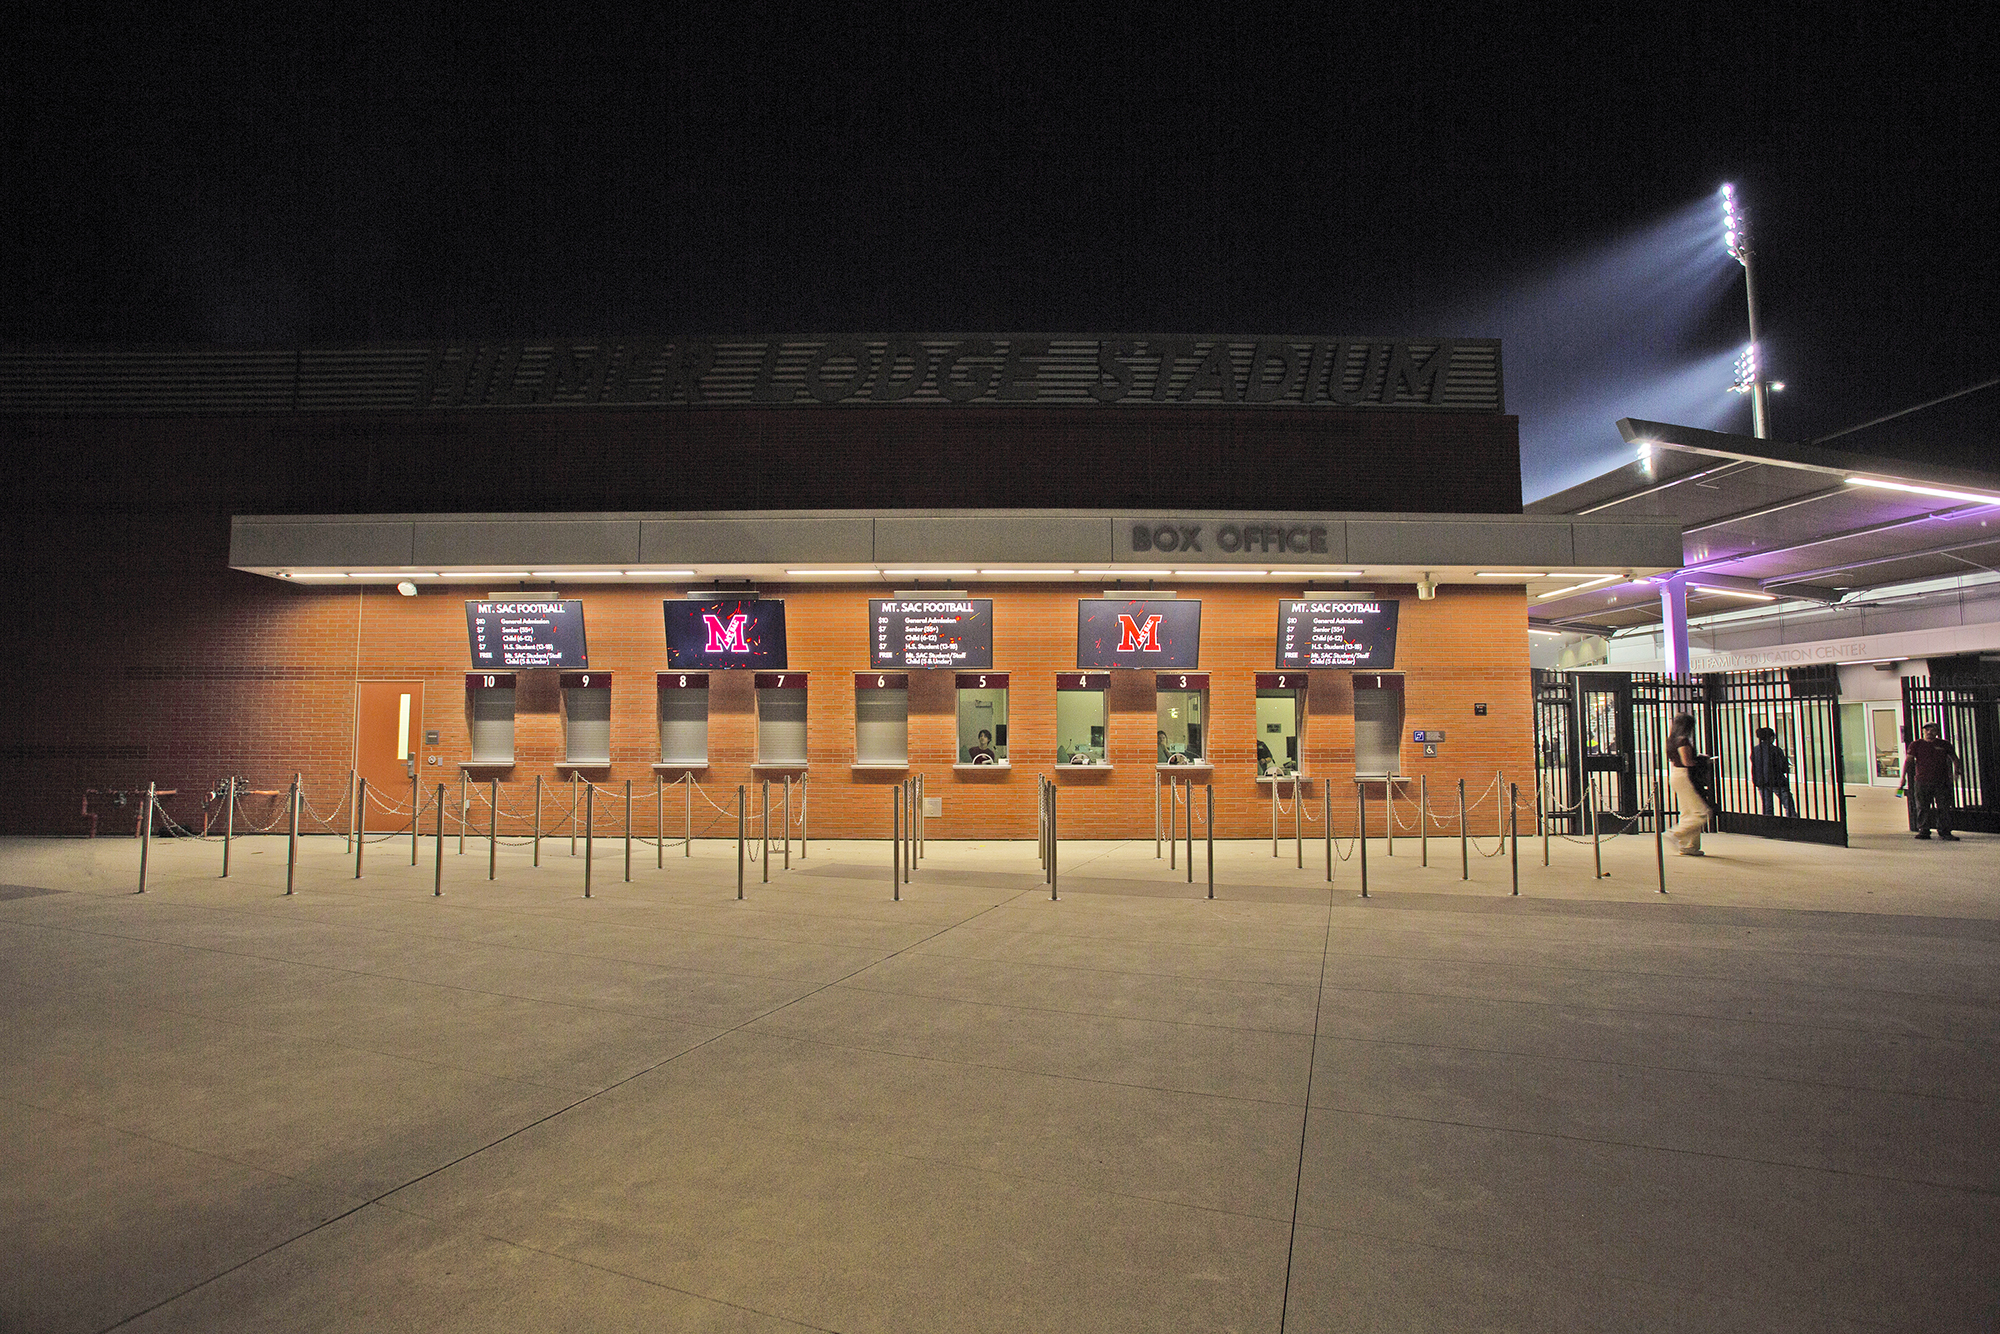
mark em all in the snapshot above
pixel 985 369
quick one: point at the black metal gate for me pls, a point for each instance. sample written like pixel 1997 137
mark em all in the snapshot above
pixel 1968 715
pixel 1602 736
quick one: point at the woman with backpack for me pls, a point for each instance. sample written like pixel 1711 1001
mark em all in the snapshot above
pixel 1685 776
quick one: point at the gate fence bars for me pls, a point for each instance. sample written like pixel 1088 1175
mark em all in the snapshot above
pixel 1968 714
pixel 1600 746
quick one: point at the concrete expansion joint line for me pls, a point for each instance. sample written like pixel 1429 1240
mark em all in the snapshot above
pixel 1305 1123
pixel 1679 1150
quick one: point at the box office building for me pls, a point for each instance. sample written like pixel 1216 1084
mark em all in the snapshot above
pixel 1262 563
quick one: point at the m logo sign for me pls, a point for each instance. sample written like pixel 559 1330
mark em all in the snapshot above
pixel 1134 637
pixel 726 637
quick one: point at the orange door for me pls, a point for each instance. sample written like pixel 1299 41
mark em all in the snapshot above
pixel 388 736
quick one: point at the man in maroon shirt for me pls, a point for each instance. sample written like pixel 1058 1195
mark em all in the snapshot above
pixel 1929 768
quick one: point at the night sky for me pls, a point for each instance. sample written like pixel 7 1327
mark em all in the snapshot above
pixel 766 169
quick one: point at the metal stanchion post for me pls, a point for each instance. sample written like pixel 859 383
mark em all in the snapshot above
pixel 687 844
pixel 1542 817
pixel 1298 830
pixel 1326 818
pixel 1361 832
pixel 228 822
pixel 923 816
pixel 628 831
pixel 492 829
pixel 1274 815
pixel 1389 813
pixel 573 794
pixel 1596 847
pixel 896 846
pixel 1043 793
pixel 1173 830
pixel 788 822
pixel 1156 819
pixel 659 822
pixel 589 830
pixel 1210 829
pixel 360 826
pixel 1659 836
pixel 1187 786
pixel 464 804
pixel 1514 824
pixel 909 830
pixel 765 856
pixel 1464 854
pixel 1055 842
pixel 437 872
pixel 416 809
pixel 740 794
pixel 145 836
pixel 353 811
pixel 805 815
pixel 292 852
pixel 538 820
pixel 1423 819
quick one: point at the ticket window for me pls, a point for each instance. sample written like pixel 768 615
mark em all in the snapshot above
pixel 1378 723
pixel 489 717
pixel 1081 718
pixel 683 719
pixel 882 720
pixel 982 719
pixel 1281 724
pixel 1181 734
pixel 586 708
pixel 781 720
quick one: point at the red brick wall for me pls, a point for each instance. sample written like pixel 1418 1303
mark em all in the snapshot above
pixel 182 679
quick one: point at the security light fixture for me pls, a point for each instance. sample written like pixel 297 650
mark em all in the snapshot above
pixel 1749 377
pixel 1426 587
pixel 407 589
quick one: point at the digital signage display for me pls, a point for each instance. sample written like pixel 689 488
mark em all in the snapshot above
pixel 928 632
pixel 1161 634
pixel 1332 632
pixel 726 634
pixel 526 634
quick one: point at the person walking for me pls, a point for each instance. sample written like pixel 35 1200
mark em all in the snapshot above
pixel 1682 761
pixel 1771 772
pixel 1929 768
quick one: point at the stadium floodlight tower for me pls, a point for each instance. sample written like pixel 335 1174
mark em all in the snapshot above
pixel 1749 367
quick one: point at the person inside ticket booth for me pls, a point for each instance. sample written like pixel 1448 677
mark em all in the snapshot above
pixel 982 752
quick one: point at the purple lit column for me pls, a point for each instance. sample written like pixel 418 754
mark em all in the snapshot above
pixel 1674 624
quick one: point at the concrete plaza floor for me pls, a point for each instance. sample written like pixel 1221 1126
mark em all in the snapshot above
pixel 1765 1101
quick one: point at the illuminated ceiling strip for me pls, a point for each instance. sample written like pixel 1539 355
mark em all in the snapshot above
pixel 1317 574
pixel 928 574
pixel 489 574
pixel 1126 574
pixel 578 574
pixel 1942 492
pixel 1736 593
pixel 1221 574
pixel 1511 574
pixel 1576 588
pixel 1025 574
pixel 838 574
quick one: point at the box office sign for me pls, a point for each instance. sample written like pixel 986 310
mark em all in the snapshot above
pixel 945 370
pixel 1238 536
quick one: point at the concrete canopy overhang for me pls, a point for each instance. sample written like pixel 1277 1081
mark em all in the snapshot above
pixel 899 548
